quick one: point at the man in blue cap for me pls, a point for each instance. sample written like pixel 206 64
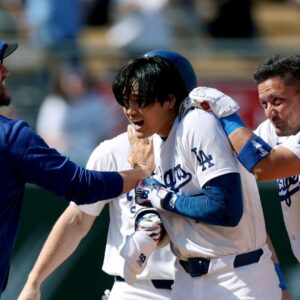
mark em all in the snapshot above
pixel 26 158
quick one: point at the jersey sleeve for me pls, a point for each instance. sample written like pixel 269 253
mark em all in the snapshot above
pixel 206 146
pixel 293 144
pixel 267 132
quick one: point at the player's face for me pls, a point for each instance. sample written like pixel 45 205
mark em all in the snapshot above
pixel 155 118
pixel 281 104
pixel 4 96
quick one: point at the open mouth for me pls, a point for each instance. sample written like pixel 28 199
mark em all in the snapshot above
pixel 138 125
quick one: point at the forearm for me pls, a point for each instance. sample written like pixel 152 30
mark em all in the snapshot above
pixel 62 241
pixel 220 203
pixel 279 163
pixel 239 137
pixel 131 177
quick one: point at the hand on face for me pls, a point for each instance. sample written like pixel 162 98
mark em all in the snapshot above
pixel 141 153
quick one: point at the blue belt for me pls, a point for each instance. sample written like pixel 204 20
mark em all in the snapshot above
pixel 199 266
pixel 157 283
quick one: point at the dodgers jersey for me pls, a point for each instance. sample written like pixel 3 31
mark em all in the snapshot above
pixel 288 188
pixel 112 155
pixel 196 151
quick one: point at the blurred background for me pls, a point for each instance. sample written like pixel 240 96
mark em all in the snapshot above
pixel 69 52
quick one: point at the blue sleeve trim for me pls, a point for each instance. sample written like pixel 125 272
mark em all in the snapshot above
pixel 220 204
pixel 282 283
pixel 231 123
pixel 253 152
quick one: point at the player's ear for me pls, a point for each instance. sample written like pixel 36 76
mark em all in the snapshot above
pixel 172 101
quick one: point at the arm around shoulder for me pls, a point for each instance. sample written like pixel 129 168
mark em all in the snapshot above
pixel 62 241
pixel 279 163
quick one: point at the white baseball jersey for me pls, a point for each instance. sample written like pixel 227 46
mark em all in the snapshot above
pixel 196 151
pixel 112 155
pixel 288 188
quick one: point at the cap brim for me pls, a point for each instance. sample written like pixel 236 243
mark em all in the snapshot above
pixel 11 47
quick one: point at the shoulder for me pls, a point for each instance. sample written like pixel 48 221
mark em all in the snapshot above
pixel 198 115
pixel 200 118
pixel 292 143
pixel 266 125
pixel 267 131
pixel 200 123
pixel 119 143
pixel 109 153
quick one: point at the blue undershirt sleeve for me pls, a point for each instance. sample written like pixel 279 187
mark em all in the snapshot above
pixel 220 204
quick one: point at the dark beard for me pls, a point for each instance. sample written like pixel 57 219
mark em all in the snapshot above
pixel 4 99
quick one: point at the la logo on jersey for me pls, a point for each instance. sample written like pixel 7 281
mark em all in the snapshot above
pixel 205 161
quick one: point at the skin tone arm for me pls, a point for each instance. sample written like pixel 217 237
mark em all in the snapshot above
pixel 64 238
pixel 280 162
pixel 285 294
pixel 281 105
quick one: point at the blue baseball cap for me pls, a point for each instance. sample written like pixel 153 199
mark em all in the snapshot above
pixel 184 67
pixel 6 49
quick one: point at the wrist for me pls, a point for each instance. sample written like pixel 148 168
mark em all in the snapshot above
pixel 34 281
pixel 164 199
pixel 143 171
pixel 169 201
pixel 157 202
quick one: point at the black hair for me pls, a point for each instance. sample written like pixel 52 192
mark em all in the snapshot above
pixel 156 77
pixel 286 67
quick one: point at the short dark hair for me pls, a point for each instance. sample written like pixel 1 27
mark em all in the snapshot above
pixel 156 77
pixel 286 67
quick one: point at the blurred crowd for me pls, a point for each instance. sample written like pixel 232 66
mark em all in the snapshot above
pixel 76 109
pixel 134 25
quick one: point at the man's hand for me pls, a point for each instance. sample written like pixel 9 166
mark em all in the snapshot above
pixel 150 193
pixel 209 99
pixel 141 154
